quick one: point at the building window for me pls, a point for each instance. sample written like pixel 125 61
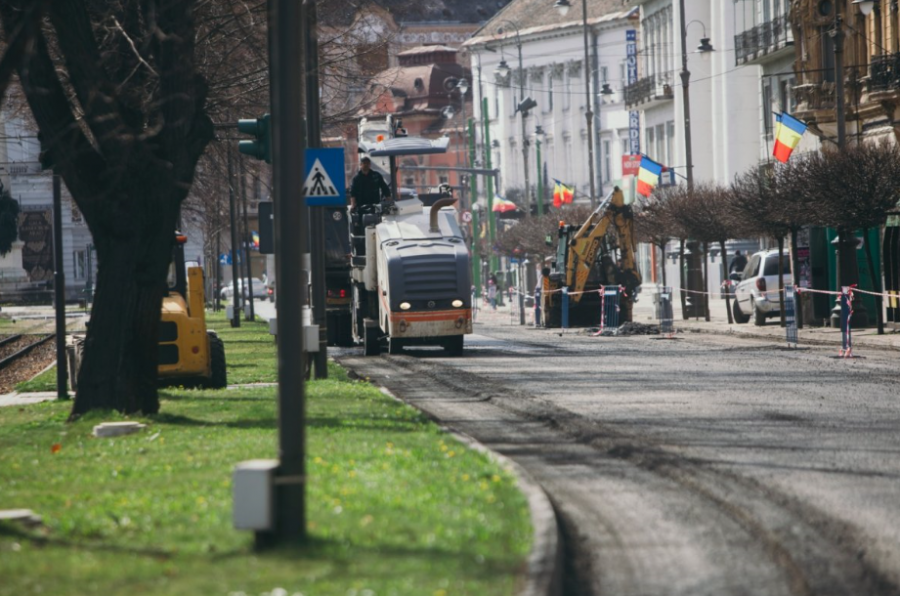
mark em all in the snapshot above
pixel 443 180
pixel 567 92
pixel 409 181
pixel 670 141
pixel 648 142
pixel 607 162
pixel 767 106
pixel 604 75
pixel 661 143
pixel 625 147
pixel 80 264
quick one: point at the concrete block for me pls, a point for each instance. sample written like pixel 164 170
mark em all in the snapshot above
pixel 254 494
pixel 115 429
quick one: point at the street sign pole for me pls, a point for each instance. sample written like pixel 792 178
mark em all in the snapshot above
pixel 286 46
pixel 316 214
pixel 235 271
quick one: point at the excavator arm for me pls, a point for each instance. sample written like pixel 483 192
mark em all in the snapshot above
pixel 584 245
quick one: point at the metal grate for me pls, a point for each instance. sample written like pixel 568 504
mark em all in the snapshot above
pixel 432 277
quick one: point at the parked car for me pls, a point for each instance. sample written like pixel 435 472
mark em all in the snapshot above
pixel 257 286
pixel 756 293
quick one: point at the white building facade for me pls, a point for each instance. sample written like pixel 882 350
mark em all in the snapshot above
pixel 553 74
pixel 727 120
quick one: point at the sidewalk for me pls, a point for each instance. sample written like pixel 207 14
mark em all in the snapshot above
pixel 645 312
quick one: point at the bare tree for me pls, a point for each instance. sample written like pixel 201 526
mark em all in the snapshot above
pixel 119 105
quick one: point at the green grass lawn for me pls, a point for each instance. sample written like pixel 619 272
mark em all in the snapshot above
pixel 394 505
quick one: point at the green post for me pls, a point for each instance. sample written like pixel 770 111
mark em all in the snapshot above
pixel 540 181
pixel 485 121
pixel 476 253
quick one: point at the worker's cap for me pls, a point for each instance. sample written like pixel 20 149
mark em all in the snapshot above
pixel 365 160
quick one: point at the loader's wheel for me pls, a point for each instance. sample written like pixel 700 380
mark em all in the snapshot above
pixel 372 341
pixel 454 345
pixel 219 378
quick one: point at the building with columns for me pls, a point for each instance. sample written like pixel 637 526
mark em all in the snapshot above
pixel 553 74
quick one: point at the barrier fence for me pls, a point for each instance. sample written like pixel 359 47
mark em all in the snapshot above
pixel 610 297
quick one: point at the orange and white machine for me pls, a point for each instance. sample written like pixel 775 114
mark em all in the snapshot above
pixel 416 279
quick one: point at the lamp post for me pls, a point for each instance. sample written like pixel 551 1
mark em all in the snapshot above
pixel 563 7
pixel 848 268
pixel 522 107
pixel 463 87
pixel 538 134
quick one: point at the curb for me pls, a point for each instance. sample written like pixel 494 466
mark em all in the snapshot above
pixel 544 573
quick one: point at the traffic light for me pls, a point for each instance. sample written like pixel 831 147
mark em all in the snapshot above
pixel 260 128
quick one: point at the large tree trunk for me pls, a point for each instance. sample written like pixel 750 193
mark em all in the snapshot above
pixel 119 367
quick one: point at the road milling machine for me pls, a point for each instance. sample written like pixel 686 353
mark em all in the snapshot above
pixel 411 278
pixel 588 258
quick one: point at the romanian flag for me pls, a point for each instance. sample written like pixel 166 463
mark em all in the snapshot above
pixel 562 194
pixel 788 131
pixel 255 239
pixel 648 175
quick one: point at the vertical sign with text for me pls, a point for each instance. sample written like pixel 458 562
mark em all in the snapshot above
pixel 634 117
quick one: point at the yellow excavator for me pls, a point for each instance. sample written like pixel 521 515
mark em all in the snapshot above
pixel 586 259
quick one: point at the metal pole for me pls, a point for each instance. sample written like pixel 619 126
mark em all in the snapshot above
pixel 59 292
pixel 316 214
pixel 235 271
pixel 848 267
pixel 286 89
pixel 540 179
pixel 246 235
pixel 476 252
pixel 589 114
pixel 524 113
pixel 485 122
pixel 685 93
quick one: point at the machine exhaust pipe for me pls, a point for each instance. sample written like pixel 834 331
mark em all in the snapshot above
pixel 438 205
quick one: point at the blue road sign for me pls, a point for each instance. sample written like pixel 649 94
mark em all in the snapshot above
pixel 324 184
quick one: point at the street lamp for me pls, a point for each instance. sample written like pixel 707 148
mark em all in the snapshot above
pixel 848 269
pixel 865 6
pixel 463 87
pixel 523 106
pixel 563 6
pixel 538 135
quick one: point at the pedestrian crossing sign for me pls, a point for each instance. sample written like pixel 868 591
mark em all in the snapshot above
pixel 324 184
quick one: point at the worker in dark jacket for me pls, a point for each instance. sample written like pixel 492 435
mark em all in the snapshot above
pixel 368 186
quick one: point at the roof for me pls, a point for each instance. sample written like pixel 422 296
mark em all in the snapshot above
pixel 413 11
pixel 427 50
pixel 536 16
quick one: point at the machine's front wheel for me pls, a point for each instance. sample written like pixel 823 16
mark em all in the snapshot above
pixel 454 345
pixel 372 341
pixel 395 346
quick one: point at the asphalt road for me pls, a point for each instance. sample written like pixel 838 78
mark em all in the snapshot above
pixel 702 466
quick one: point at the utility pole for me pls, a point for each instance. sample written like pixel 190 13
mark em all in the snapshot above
pixel 848 267
pixel 476 253
pixel 286 63
pixel 59 292
pixel 235 270
pixel 316 214
pixel 246 234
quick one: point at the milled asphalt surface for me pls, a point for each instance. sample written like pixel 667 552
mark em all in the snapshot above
pixel 707 465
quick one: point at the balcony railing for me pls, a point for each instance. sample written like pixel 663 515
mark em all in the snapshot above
pixel 762 40
pixel 884 73
pixel 647 89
